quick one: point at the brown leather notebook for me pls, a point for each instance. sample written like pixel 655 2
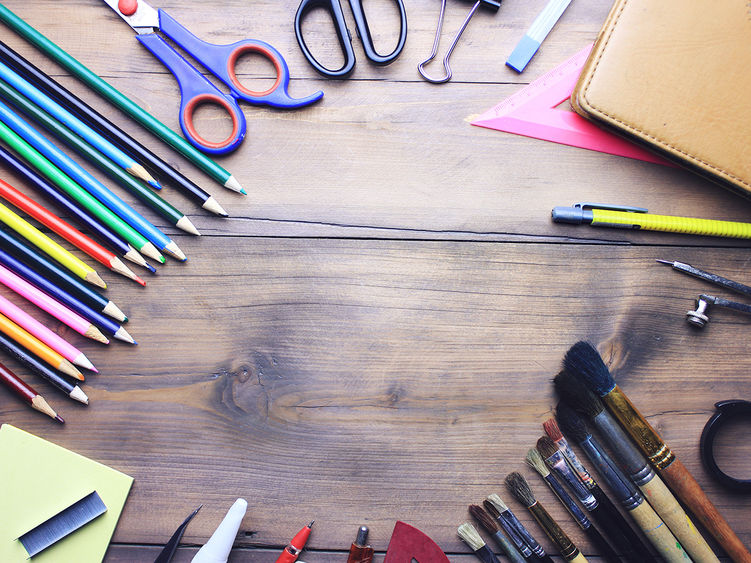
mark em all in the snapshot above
pixel 675 76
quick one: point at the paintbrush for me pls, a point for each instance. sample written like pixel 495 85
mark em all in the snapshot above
pixel 580 398
pixel 535 461
pixel 527 545
pixel 584 361
pixel 555 434
pixel 470 536
pixel 519 487
pixel 658 534
pixel 491 527
pixel 606 514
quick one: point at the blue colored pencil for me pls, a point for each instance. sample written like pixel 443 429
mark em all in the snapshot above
pixel 72 122
pixel 88 182
pixel 22 260
pixel 109 237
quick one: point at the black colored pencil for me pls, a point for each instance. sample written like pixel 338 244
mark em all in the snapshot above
pixel 16 351
pixel 105 127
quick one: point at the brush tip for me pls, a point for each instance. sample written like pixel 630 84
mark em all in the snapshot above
pixel 577 395
pixel 585 361
pixel 469 535
pixel 518 486
pixel 547 447
pixel 485 519
pixel 552 430
pixel 571 422
pixel 535 461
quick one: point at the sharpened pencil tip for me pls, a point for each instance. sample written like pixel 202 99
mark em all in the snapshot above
pixel 173 250
pixel 59 419
pixel 156 185
pixel 123 335
pixel 234 185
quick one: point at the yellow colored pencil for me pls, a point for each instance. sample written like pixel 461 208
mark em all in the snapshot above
pixel 49 246
pixel 38 348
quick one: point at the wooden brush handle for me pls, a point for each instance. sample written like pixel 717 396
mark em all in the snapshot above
pixel 672 513
pixel 688 490
pixel 579 558
pixel 658 534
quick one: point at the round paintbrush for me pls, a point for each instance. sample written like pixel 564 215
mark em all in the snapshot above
pixel 535 461
pixel 584 361
pixel 469 535
pixel 527 545
pixel 491 527
pixel 580 398
pixel 518 486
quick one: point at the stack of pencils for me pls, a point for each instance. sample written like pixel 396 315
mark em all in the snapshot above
pixel 38 116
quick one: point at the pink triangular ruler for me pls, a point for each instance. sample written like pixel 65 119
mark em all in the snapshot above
pixel 532 112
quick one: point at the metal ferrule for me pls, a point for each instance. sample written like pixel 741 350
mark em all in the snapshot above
pixel 618 483
pixel 531 542
pixel 568 502
pixel 575 464
pixel 629 456
pixel 515 537
pixel 648 441
pixel 553 531
pixel 558 464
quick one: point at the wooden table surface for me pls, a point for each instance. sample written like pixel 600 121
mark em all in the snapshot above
pixel 371 335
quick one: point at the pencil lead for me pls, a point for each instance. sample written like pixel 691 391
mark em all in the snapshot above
pixel 59 419
pixel 154 184
pixel 213 205
pixel 93 278
pixel 187 225
pixel 139 171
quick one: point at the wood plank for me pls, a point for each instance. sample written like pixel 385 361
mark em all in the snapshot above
pixel 367 381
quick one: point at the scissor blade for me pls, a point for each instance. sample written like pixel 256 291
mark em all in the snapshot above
pixel 144 20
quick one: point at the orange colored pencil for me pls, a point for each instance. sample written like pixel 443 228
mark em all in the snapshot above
pixel 38 348
pixel 66 231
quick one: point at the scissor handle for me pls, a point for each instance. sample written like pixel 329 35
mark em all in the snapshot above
pixel 334 8
pixel 221 60
pixel 195 90
pixel 363 31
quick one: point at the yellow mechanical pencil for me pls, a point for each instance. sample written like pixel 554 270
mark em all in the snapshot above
pixel 621 217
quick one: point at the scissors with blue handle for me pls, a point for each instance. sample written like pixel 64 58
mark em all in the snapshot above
pixel 220 60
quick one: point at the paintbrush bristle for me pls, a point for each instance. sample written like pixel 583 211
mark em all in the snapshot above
pixel 547 447
pixel 577 395
pixel 485 519
pixel 571 422
pixel 470 536
pixel 497 502
pixel 584 361
pixel 491 508
pixel 518 486
pixel 551 429
pixel 535 461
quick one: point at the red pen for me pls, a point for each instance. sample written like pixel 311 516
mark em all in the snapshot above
pixel 296 545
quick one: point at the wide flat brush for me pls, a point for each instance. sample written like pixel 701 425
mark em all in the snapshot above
pixel 527 545
pixel 535 461
pixel 580 398
pixel 518 486
pixel 605 513
pixel 584 360
pixel 469 535
pixel 658 534
pixel 491 527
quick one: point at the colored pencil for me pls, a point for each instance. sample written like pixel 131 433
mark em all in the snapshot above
pixel 15 255
pixel 48 304
pixel 70 139
pixel 66 231
pixel 38 348
pixel 50 247
pixel 75 124
pixel 27 393
pixel 49 337
pixel 14 350
pixel 88 182
pixel 120 100
pixel 41 185
pixel 82 197
pixel 96 120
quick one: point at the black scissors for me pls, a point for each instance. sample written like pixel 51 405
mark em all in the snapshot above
pixel 334 7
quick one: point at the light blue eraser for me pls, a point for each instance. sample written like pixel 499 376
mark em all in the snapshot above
pixel 523 53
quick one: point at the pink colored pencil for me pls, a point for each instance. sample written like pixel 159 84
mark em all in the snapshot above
pixel 50 305
pixel 50 338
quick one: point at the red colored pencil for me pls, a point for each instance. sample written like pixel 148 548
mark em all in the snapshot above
pixel 66 231
pixel 27 393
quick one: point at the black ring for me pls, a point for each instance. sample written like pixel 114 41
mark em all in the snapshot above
pixel 726 411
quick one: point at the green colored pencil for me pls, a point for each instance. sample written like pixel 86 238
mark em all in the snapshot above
pixel 84 198
pixel 120 100
pixel 153 200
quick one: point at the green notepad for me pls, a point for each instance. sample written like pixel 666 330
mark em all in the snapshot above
pixel 38 479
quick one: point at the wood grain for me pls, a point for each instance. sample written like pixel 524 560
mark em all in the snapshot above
pixel 372 334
